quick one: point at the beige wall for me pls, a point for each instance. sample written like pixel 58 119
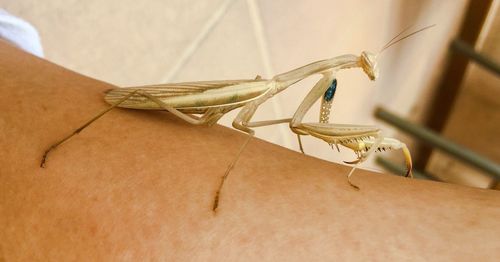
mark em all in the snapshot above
pixel 143 42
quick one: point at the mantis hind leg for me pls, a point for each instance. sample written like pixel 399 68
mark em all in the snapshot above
pixel 78 130
pixel 208 117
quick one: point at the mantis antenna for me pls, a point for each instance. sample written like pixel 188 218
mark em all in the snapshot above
pixel 391 43
pixel 396 36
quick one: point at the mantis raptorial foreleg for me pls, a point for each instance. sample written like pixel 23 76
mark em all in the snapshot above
pixel 328 69
pixel 363 140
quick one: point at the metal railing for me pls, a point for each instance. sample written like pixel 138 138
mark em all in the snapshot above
pixel 433 139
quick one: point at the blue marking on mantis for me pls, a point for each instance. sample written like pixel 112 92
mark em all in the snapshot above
pixel 330 92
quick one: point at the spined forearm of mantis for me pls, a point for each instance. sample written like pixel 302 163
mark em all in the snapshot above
pixel 204 103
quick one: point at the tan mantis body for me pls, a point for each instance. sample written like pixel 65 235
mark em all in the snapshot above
pixel 213 99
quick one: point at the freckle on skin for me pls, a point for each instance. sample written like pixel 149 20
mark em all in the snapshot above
pixel 319 188
pixel 243 240
pixel 93 230
pixel 35 228
pixel 472 222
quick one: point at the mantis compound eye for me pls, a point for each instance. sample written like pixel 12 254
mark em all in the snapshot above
pixel 369 64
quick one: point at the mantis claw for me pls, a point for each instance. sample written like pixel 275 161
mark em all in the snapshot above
pixel 409 165
pixel 352 162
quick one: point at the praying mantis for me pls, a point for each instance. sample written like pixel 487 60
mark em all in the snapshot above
pixel 213 99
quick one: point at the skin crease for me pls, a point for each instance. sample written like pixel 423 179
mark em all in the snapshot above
pixel 139 185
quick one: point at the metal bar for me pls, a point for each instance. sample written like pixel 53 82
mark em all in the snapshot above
pixel 399 169
pixel 445 145
pixel 441 103
pixel 467 50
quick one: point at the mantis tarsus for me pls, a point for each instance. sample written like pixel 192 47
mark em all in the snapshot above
pixel 213 99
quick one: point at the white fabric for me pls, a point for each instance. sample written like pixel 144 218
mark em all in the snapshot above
pixel 20 33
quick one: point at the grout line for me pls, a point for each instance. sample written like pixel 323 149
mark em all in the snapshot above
pixel 256 18
pixel 196 43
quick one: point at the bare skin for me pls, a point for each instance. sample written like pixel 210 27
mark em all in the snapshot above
pixel 139 186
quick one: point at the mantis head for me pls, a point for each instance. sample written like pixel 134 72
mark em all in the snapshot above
pixel 368 62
